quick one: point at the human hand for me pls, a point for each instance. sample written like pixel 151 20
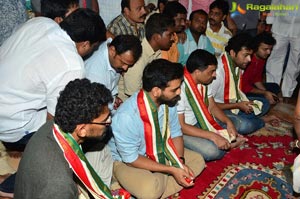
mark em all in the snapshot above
pixel 117 103
pixel 184 177
pixel 221 142
pixel 231 129
pixel 271 97
pixel 245 106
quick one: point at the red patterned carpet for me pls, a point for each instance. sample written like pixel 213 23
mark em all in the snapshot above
pixel 254 170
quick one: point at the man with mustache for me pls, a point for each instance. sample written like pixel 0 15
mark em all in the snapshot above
pixel 131 20
pixel 112 59
pixel 198 112
pixel 150 160
pixel 245 114
pixel 105 66
pixel 159 36
pixel 81 114
pixel 216 30
pixel 196 38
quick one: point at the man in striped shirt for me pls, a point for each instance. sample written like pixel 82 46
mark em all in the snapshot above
pixel 131 20
pixel 216 30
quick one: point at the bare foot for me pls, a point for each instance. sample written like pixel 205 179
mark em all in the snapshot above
pixel 14 154
pixel 240 140
pixel 271 119
pixel 4 195
pixel 3 177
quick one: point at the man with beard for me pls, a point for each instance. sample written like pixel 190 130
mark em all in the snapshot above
pixel 245 114
pixel 131 20
pixel 113 58
pixel 216 30
pixel 150 160
pixel 196 38
pixel 197 110
pixel 81 113
pixel 159 36
pixel 252 78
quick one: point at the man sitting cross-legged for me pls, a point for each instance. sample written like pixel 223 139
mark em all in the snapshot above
pixel 197 109
pixel 247 114
pixel 252 78
pixel 53 163
pixel 150 160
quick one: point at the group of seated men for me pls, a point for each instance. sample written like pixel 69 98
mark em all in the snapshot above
pixel 144 108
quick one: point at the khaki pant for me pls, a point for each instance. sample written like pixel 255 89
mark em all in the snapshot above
pixel 146 184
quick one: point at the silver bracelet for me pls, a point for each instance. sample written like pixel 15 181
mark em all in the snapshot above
pixel 297 144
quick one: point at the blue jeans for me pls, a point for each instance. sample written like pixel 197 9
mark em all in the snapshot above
pixel 248 123
pixel 245 123
pixel 266 105
pixel 207 148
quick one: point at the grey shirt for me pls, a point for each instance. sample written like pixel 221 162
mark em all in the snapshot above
pixel 43 171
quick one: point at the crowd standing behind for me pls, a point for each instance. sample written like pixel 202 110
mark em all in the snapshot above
pixel 159 69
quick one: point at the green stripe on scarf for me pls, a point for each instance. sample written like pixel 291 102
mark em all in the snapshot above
pixel 77 149
pixel 168 153
pixel 195 109
pixel 236 77
pixel 159 140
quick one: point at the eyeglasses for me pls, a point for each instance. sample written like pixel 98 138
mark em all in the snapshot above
pixel 107 122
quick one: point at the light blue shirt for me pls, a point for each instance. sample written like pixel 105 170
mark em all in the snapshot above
pixel 190 45
pixel 98 68
pixel 128 129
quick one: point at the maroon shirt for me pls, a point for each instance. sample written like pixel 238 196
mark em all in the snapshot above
pixel 252 74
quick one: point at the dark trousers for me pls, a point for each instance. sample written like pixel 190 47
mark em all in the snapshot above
pixel 8 184
pixel 19 145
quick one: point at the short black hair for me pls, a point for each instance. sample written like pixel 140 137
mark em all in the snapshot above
pixel 239 41
pixel 263 37
pixel 161 1
pixel 57 8
pixel 173 8
pixel 124 4
pixel 124 43
pixel 159 73
pixel 157 24
pixel 200 59
pixel 220 4
pixel 80 103
pixel 84 25
pixel 200 11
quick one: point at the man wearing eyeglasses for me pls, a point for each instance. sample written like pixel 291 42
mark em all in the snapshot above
pixel 81 114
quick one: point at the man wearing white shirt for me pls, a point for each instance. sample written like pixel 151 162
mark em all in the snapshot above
pixel 286 31
pixel 36 63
